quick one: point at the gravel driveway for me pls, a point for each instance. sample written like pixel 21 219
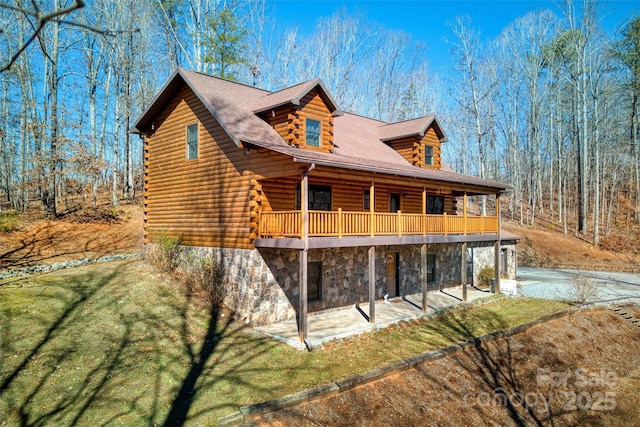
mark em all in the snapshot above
pixel 558 284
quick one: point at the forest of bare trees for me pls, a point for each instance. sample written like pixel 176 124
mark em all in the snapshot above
pixel 550 105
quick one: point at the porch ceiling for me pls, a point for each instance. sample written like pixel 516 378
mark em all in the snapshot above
pixel 346 242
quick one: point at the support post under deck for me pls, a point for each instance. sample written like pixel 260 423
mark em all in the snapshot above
pixel 423 276
pixel 372 284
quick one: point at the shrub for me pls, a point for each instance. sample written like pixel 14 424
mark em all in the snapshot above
pixel 485 275
pixel 206 275
pixel 582 290
pixel 165 251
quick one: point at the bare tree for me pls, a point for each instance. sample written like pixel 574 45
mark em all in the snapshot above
pixel 39 18
pixel 477 85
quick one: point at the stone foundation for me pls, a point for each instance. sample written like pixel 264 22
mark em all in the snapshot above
pixel 262 284
pixel 483 255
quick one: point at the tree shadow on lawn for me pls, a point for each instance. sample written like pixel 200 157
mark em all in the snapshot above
pixel 97 348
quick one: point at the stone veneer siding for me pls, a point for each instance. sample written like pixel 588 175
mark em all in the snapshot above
pixel 262 284
pixel 483 254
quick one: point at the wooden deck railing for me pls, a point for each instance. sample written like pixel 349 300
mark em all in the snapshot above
pixel 339 224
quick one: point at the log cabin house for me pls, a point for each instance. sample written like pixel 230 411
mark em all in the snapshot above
pixel 308 207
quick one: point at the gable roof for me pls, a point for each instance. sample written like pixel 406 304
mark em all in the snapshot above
pixel 358 141
pixel 413 127
pixel 294 94
pixel 229 102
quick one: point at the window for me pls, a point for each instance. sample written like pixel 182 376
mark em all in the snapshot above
pixel 314 281
pixel 366 200
pixel 435 205
pixel 319 197
pixel 394 202
pixel 428 155
pixel 313 132
pixel 192 141
pixel 431 268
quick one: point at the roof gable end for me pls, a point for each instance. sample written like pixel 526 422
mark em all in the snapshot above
pixel 225 100
pixel 294 95
pixel 162 98
pixel 414 127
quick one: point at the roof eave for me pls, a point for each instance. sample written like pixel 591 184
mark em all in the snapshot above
pixel 407 135
pixel 146 118
pixel 166 94
pixel 495 186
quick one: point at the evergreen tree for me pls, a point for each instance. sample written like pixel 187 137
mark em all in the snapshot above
pixel 226 44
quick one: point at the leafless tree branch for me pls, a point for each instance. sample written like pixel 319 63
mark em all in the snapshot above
pixel 41 20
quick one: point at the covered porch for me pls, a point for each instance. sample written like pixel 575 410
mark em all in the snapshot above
pixel 354 320
pixel 319 221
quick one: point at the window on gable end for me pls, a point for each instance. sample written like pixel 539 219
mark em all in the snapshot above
pixel 313 129
pixel 192 141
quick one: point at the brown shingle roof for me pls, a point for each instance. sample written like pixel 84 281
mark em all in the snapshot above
pixel 293 95
pixel 358 140
pixel 418 126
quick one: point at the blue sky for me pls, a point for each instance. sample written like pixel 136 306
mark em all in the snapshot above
pixel 427 20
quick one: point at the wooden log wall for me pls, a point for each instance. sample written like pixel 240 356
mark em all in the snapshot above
pixel 430 138
pixel 412 149
pixel 289 121
pixel 312 106
pixel 405 146
pixel 209 200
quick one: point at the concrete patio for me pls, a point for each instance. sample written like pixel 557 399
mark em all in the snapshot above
pixel 330 325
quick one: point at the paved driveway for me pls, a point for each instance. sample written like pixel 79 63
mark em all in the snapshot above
pixel 610 287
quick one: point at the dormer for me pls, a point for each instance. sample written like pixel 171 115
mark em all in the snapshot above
pixel 302 115
pixel 417 140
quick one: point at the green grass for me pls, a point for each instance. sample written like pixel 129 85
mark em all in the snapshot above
pixel 8 221
pixel 118 343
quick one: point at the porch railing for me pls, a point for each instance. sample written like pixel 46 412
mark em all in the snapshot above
pixel 340 223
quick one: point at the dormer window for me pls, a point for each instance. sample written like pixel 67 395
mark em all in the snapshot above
pixel 313 130
pixel 428 155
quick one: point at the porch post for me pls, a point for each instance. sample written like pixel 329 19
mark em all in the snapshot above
pixel 372 284
pixel 372 204
pixel 424 211
pixel 497 247
pixel 423 275
pixel 463 271
pixel 304 205
pixel 464 211
pixel 302 318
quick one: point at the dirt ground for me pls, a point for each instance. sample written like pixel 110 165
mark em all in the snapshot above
pixel 576 370
pixel 547 247
pixel 84 234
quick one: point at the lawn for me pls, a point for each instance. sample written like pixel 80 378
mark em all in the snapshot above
pixel 120 343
